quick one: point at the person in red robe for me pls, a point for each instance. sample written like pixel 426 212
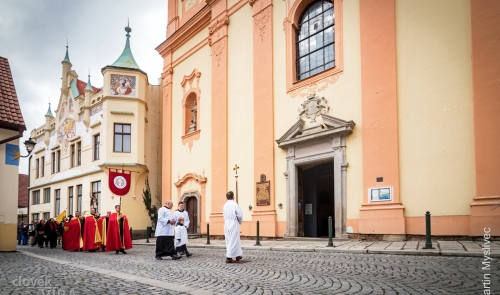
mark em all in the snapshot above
pixel 103 228
pixel 91 236
pixel 118 235
pixel 73 233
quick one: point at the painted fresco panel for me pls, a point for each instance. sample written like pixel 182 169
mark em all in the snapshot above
pixel 123 85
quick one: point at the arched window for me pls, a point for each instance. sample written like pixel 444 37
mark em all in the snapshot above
pixel 315 39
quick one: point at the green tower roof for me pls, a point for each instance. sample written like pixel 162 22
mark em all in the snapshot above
pixel 49 112
pixel 126 59
pixel 66 58
pixel 89 86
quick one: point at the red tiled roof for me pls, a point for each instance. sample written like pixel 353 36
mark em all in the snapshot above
pixel 22 195
pixel 10 111
pixel 81 86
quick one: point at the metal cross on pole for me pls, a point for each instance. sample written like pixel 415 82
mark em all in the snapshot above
pixel 236 176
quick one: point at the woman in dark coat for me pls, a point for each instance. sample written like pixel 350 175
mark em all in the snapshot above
pixel 40 228
pixel 51 232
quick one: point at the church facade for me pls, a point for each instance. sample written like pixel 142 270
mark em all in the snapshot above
pixel 92 133
pixel 368 112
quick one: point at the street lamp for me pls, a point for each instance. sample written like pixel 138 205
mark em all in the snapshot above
pixel 30 145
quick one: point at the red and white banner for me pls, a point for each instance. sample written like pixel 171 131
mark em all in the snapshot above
pixel 119 182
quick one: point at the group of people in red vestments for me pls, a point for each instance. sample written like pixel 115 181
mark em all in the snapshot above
pixel 93 232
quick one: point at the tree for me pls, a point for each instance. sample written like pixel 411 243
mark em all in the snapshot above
pixel 151 209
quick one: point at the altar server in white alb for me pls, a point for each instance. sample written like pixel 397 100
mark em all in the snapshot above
pixel 181 212
pixel 181 238
pixel 232 220
pixel 164 233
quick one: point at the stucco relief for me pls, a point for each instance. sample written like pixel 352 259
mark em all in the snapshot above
pixel 315 86
pixel 217 50
pixel 259 5
pixel 312 107
pixel 218 30
pixel 261 22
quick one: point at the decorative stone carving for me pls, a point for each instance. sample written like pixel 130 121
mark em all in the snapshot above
pixel 217 50
pixel 312 107
pixel 320 145
pixel 196 177
pixel 261 21
pixel 315 87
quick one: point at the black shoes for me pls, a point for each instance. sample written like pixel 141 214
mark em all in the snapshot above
pixel 117 252
pixel 123 251
pixel 175 257
pixel 158 258
pixel 188 254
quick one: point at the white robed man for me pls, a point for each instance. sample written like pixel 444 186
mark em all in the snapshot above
pixel 232 220
pixel 164 233
pixel 181 212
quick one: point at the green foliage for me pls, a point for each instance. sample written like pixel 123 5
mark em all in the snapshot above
pixel 151 209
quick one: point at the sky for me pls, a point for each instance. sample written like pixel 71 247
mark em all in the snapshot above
pixel 33 36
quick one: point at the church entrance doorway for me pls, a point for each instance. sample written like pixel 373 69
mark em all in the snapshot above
pixel 192 209
pixel 317 199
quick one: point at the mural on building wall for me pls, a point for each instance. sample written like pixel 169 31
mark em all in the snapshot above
pixel 62 110
pixel 96 110
pixel 122 85
pixel 70 105
pixel 65 133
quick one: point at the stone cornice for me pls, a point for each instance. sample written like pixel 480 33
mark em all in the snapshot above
pixel 192 27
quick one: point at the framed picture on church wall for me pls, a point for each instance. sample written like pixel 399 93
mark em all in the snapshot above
pixel 123 85
pixel 379 194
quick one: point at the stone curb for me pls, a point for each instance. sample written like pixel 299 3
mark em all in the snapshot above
pixel 431 252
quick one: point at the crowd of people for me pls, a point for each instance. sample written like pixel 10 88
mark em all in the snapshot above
pixel 110 233
pixel 41 232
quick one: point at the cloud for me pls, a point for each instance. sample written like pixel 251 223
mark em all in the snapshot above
pixel 33 38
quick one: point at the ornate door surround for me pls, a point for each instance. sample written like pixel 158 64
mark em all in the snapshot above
pixel 316 144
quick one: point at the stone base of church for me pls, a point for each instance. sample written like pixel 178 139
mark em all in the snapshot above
pixel 485 216
pixel 382 219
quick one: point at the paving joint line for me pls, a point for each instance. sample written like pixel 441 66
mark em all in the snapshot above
pixel 127 277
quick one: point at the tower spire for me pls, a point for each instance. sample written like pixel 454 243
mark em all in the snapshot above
pixel 66 58
pixel 49 111
pixel 126 59
pixel 89 85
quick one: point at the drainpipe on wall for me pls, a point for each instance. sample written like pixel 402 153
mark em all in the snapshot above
pixel 29 184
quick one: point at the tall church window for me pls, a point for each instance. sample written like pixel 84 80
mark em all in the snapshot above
pixel 315 40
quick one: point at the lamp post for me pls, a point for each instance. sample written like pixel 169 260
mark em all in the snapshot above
pixel 30 145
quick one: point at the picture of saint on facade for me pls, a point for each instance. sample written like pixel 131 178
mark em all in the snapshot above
pixel 250 147
pixel 123 85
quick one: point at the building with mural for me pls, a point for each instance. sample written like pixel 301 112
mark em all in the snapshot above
pixel 12 127
pixel 92 133
pixel 371 112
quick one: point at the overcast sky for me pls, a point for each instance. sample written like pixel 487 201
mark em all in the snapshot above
pixel 33 37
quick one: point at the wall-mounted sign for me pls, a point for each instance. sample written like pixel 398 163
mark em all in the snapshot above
pixel 378 194
pixel 309 209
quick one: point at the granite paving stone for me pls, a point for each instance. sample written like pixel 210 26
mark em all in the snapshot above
pixel 261 272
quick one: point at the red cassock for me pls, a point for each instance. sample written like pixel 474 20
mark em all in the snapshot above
pixel 91 236
pixel 71 235
pixel 116 239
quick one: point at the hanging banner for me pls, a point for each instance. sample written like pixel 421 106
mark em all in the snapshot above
pixel 119 182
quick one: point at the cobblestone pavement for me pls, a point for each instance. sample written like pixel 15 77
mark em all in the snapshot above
pixel 262 272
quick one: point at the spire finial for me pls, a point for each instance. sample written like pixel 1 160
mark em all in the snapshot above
pixel 127 28
pixel 89 85
pixel 49 111
pixel 66 58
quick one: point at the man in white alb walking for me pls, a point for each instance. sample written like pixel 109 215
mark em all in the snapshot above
pixel 232 220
